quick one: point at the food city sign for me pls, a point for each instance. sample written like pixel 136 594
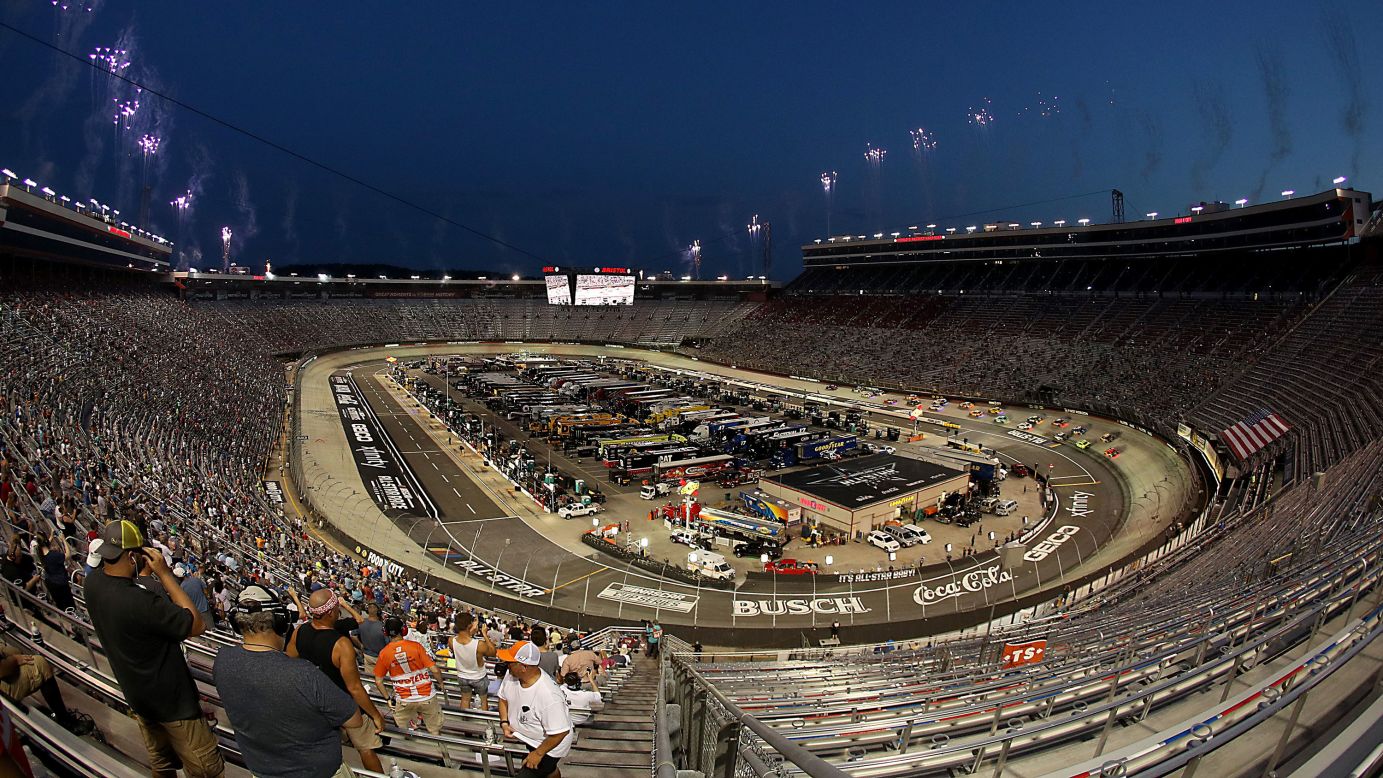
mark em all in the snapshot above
pixel 973 582
pixel 832 606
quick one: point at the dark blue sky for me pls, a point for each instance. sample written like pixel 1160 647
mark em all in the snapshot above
pixel 619 134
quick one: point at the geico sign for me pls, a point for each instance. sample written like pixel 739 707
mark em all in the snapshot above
pixel 833 605
pixel 1040 551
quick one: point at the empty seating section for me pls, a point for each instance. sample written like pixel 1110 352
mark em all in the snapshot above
pixel 292 326
pixel 1242 597
pixel 1323 377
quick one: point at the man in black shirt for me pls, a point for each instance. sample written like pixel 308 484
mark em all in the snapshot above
pixel 18 567
pixel 142 633
pixel 323 641
pixel 287 715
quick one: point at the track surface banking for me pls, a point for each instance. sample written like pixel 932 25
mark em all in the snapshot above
pixel 493 552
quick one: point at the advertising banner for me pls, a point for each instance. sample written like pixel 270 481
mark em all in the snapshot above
pixel 1019 654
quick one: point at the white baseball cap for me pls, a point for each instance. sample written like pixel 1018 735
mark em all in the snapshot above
pixel 93 554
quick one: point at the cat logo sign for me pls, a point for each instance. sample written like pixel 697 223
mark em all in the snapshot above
pixel 1019 654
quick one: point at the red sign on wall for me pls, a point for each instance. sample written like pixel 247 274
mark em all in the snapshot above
pixel 118 231
pixel 1019 654
pixel 916 238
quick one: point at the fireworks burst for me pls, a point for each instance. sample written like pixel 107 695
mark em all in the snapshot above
pixel 922 140
pixel 113 61
pixel 828 181
pixel 63 6
pixel 981 116
pixel 125 111
pixel 695 251
pixel 182 203
pixel 874 155
pixel 1045 107
pixel 148 144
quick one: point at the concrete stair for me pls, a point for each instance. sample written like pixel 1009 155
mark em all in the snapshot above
pixel 618 742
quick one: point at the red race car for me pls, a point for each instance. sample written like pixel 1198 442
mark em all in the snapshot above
pixel 790 567
pixel 1112 452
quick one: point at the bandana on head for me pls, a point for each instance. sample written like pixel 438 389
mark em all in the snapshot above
pixel 325 608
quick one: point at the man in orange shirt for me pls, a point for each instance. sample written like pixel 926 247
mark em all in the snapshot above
pixel 415 678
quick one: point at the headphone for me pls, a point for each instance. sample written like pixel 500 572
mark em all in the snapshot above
pixel 283 618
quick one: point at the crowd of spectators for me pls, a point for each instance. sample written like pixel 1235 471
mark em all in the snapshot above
pixel 120 403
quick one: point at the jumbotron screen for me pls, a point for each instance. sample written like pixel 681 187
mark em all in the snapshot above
pixel 604 290
pixel 558 290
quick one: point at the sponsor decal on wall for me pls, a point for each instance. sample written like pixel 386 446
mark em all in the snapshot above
pixel 1051 543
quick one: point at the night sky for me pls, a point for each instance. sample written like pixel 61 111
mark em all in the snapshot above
pixel 618 134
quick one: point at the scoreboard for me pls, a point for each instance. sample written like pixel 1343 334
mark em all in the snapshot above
pixel 597 286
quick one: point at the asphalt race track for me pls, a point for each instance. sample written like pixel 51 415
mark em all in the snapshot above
pixel 441 508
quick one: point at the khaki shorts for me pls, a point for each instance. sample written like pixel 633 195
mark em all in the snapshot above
pixel 26 681
pixel 188 744
pixel 430 712
pixel 364 737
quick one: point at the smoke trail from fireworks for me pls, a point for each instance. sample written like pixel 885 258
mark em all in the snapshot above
pixel 1344 53
pixel 923 144
pixel 249 226
pixel 1275 91
pixel 71 21
pixel 1219 128
pixel 1152 135
pixel 874 160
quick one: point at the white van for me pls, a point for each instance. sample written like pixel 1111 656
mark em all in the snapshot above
pixel 710 564
pixel 1005 507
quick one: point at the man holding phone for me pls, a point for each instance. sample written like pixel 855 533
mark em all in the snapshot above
pixel 142 633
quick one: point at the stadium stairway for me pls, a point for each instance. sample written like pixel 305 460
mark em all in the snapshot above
pixel 619 740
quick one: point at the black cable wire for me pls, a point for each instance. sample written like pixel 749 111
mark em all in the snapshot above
pixel 276 146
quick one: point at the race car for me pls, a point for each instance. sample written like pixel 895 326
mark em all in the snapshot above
pixel 1082 444
pixel 976 413
pixel 1061 423
pixel 1001 420
pixel 967 405
pixel 995 403
pixel 1109 437
pixel 1081 430
pixel 1060 437
pixel 892 401
pixel 1112 452
pixel 1036 419
pixel 1027 425
pixel 790 567
pixel 831 387
pixel 995 411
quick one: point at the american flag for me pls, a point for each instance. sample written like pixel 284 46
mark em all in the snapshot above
pixel 1254 433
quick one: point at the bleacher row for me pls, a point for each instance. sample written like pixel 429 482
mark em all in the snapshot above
pixel 293 326
pixel 1253 593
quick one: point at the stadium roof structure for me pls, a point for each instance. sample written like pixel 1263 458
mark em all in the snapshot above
pixel 866 481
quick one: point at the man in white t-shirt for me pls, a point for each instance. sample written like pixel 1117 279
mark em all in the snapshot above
pixel 534 711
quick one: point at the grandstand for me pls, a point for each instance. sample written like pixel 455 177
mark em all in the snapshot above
pixel 145 395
